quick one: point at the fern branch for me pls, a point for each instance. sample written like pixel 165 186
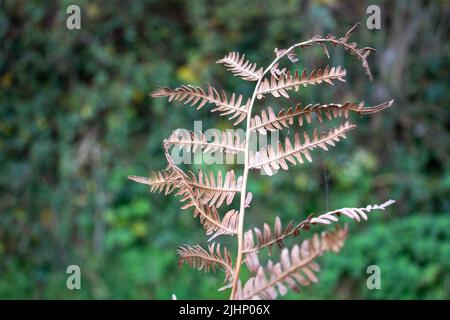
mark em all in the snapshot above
pixel 200 259
pixel 267 238
pixel 269 121
pixel 214 192
pixel 352 213
pixel 196 96
pixel 191 141
pixel 279 87
pixel 361 53
pixel 209 216
pixel 206 188
pixel 268 158
pixel 158 181
pixel 241 67
pixel 229 224
pixel 296 267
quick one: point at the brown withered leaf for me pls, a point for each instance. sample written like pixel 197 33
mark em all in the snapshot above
pixel 159 181
pixel 296 268
pixel 196 96
pixel 241 67
pixel 279 87
pixel 352 47
pixel 211 260
pixel 357 214
pixel 267 120
pixel 269 158
pixel 226 141
pixel 215 191
pixel 255 240
pixel 208 215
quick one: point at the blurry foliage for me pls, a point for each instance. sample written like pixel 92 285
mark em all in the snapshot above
pixel 75 120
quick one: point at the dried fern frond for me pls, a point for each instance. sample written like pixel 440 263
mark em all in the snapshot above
pixel 352 47
pixel 268 237
pixel 279 87
pixel 209 191
pixel 353 213
pixel 196 96
pixel 237 64
pixel 296 268
pixel 190 141
pixel 229 222
pixel 209 217
pixel 269 121
pixel 212 191
pixel 158 181
pixel 269 158
pixel 200 259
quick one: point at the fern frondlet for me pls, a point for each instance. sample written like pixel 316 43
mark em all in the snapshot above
pixel 269 158
pixel 191 141
pixel 279 86
pixel 268 120
pixel 213 259
pixel 206 193
pixel 239 66
pixel 197 97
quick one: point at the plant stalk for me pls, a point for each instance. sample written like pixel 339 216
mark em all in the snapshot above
pixel 240 231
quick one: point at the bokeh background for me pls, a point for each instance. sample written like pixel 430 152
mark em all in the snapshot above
pixel 76 119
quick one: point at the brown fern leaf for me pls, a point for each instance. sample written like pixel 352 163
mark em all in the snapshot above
pixel 229 224
pixel 209 191
pixel 268 158
pixel 214 192
pixel 196 96
pixel 197 197
pixel 361 53
pixel 267 238
pixel 200 259
pixel 357 214
pixel 209 217
pixel 159 181
pixel 269 121
pixel 288 82
pixel 228 142
pixel 296 268
pixel 237 64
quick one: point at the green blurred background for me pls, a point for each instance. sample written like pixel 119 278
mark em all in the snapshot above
pixel 76 120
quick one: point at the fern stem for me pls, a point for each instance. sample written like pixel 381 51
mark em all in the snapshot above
pixel 240 230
